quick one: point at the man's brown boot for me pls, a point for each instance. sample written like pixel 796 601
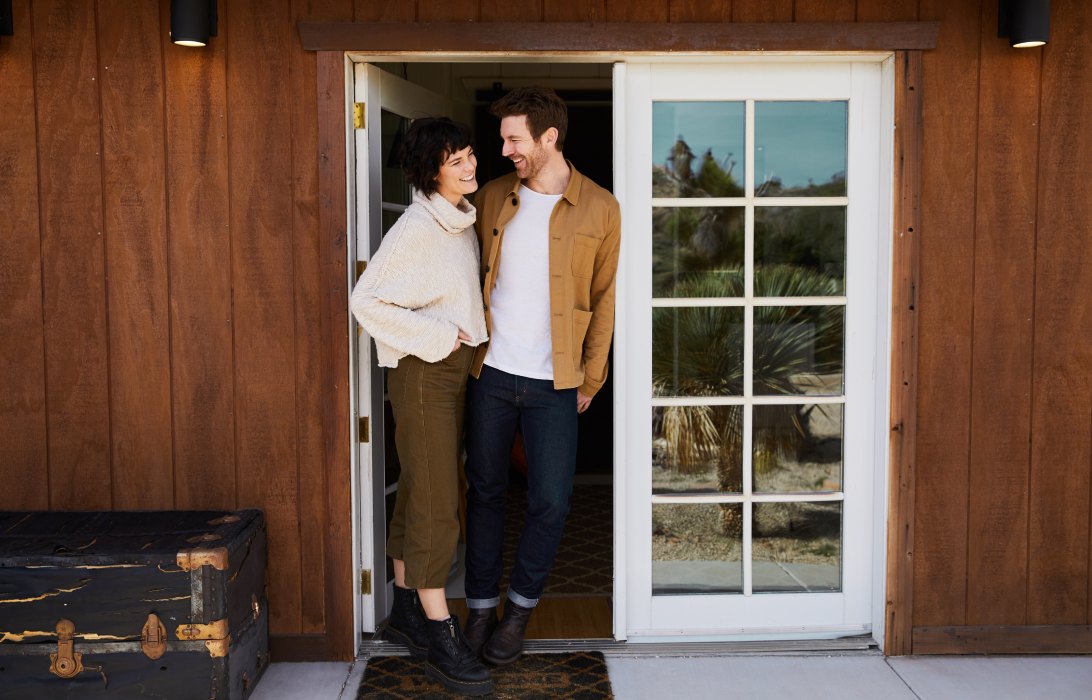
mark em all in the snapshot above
pixel 480 623
pixel 506 644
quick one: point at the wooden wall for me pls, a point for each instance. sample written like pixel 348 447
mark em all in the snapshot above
pixel 160 278
pixel 1004 449
pixel 162 271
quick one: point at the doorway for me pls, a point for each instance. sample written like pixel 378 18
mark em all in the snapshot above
pixel 743 458
pixel 577 602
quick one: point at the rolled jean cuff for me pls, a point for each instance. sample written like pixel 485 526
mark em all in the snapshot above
pixel 482 603
pixel 520 600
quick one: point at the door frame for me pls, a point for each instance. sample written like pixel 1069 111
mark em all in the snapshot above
pixel 895 486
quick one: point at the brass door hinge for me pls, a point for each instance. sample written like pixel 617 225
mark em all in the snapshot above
pixel 366 582
pixel 361 265
pixel 365 433
pixel 358 115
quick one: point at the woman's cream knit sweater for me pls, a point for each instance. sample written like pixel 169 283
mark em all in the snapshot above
pixel 422 286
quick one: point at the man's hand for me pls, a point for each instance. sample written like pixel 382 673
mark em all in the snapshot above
pixel 582 402
pixel 460 339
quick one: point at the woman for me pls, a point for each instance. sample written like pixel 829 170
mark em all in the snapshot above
pixel 420 299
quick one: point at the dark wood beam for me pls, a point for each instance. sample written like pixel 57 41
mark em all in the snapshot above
pixel 514 38
pixel 1004 639
pixel 906 244
pixel 333 242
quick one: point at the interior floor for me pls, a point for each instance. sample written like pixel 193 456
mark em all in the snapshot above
pixel 583 617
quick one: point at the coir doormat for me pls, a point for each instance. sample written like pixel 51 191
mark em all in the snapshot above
pixel 573 676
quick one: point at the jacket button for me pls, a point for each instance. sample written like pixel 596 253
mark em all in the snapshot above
pixel 494 232
pixel 515 202
pixel 485 269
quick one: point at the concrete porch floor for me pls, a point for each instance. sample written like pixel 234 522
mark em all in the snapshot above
pixel 854 675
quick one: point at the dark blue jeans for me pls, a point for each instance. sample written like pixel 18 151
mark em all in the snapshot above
pixel 496 403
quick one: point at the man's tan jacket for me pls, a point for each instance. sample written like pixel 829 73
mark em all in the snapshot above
pixel 585 234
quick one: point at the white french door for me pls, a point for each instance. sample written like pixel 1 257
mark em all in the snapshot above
pixel 389 105
pixel 753 332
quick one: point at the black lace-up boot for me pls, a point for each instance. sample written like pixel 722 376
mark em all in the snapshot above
pixel 451 662
pixel 406 625
pixel 506 644
pixel 480 623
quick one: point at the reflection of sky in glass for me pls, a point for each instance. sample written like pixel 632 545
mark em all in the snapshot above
pixel 703 126
pixel 800 141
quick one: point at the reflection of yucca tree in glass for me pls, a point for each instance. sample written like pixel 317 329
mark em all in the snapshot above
pixel 681 178
pixel 698 351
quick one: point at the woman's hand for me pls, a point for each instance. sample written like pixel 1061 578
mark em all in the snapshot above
pixel 460 339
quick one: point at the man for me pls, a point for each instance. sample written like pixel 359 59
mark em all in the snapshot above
pixel 549 243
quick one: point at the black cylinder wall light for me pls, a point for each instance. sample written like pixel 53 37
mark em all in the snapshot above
pixel 7 22
pixel 1026 23
pixel 193 22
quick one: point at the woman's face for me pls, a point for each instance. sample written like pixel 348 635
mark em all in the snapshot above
pixel 456 177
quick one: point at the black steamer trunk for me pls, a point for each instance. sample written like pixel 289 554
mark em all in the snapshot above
pixel 156 604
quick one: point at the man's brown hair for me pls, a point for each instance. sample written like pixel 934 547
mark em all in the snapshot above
pixel 542 107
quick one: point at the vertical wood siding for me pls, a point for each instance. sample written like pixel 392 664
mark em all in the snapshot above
pixel 163 276
pixel 138 279
pixel 1061 402
pixel 1004 263
pixel 24 436
pixel 950 78
pixel 199 235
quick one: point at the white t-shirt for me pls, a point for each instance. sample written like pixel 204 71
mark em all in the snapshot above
pixel 520 301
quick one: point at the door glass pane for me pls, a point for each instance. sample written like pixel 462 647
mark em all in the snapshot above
pixel 395 190
pixel 798 350
pixel 389 219
pixel 797 547
pixel 697 449
pixel 697 548
pixel 698 149
pixel 808 242
pixel 395 187
pixel 697 351
pixel 800 149
pixel 797 254
pixel 697 251
pixel 797 449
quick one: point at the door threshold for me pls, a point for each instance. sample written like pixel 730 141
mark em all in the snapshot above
pixel 845 646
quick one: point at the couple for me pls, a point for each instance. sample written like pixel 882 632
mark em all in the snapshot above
pixel 534 338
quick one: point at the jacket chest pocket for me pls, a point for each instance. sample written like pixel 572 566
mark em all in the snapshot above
pixel 584 249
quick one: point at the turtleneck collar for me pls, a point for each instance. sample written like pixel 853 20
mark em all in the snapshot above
pixel 452 219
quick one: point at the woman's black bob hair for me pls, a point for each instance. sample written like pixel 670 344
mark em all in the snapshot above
pixel 427 144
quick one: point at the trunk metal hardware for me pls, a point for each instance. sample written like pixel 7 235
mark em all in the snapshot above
pixel 190 559
pixel 67 662
pixel 217 629
pixel 153 638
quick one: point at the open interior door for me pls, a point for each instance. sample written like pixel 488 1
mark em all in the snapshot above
pixel 387 105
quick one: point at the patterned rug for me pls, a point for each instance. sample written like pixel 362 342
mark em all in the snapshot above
pixel 577 676
pixel 585 559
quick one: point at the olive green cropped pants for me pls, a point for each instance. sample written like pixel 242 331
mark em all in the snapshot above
pixel 427 399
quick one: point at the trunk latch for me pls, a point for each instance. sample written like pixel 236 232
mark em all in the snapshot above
pixel 66 662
